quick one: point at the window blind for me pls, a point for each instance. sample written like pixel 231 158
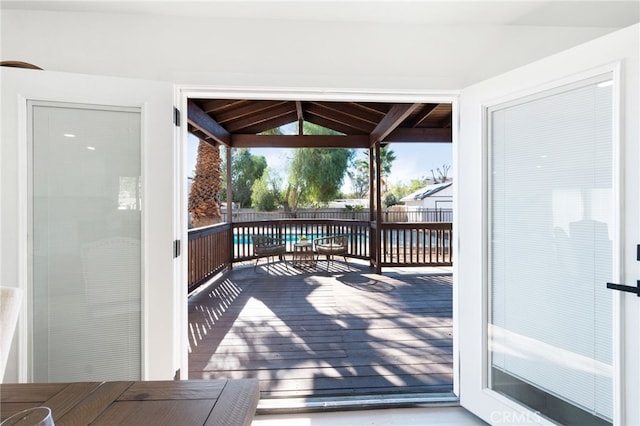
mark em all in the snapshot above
pixel 551 234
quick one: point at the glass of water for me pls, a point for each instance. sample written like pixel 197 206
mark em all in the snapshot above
pixel 37 416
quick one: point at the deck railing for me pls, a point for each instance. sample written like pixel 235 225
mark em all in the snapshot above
pixel 291 230
pixel 416 244
pixel 213 249
pixel 209 251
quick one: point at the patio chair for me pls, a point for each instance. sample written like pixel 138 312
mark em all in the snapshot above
pixel 265 246
pixel 332 246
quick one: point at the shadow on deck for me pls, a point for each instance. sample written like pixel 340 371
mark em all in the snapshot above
pixel 313 332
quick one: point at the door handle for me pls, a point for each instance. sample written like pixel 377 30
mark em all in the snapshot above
pixel 626 288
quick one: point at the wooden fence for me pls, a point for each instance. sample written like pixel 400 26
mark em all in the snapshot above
pixel 393 214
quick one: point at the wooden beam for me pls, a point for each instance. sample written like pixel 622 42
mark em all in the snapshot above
pixel 446 122
pixel 200 120
pixel 300 117
pixel 396 115
pixel 378 230
pixel 220 105
pixel 421 134
pixel 352 111
pixel 372 213
pixel 424 114
pixel 252 120
pixel 270 124
pixel 229 200
pixel 321 110
pixel 253 108
pixel 297 141
pixel 312 118
pixel 202 136
pixel 375 107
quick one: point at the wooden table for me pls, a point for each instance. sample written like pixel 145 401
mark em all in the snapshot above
pixel 303 254
pixel 180 402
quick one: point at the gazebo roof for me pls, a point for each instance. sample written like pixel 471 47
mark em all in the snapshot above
pixel 238 122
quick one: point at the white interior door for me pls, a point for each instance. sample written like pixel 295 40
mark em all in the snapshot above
pixel 88 226
pixel 548 213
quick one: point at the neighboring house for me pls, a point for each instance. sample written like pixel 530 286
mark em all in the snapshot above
pixel 432 197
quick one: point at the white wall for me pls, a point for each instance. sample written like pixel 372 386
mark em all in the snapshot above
pixel 471 194
pixel 290 53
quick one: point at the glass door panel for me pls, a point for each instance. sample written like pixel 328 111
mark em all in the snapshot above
pixel 552 231
pixel 86 242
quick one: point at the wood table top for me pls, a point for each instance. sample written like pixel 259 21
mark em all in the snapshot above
pixel 179 402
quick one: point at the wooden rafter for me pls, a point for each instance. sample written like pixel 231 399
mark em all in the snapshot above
pixel 260 117
pixel 349 110
pixel 203 122
pixel 300 141
pixel 312 118
pixel 201 135
pixel 220 105
pixel 269 124
pixel 248 110
pixel 396 115
pixel 446 122
pixel 374 107
pixel 424 114
pixel 340 118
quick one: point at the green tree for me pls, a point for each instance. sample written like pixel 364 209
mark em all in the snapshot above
pixel 416 184
pixel 390 199
pixel 387 157
pixel 317 173
pixel 265 195
pixel 360 177
pixel 360 172
pixel 401 189
pixel 246 168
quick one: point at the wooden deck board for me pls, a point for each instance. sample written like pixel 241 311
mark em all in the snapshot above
pixel 313 333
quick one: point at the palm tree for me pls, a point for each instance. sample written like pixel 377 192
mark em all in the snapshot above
pixel 360 175
pixel 204 198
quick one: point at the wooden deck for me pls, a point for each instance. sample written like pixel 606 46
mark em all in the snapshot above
pixel 318 333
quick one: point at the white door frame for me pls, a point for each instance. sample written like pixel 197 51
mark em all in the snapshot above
pixel 616 52
pixel 183 93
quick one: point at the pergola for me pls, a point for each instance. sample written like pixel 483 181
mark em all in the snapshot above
pixel 238 123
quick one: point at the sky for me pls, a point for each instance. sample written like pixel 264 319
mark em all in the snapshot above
pixel 413 160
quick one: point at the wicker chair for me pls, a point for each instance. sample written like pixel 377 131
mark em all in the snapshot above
pixel 265 246
pixel 332 246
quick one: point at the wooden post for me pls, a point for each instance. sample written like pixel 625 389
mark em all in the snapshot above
pixel 372 217
pixel 229 205
pixel 378 212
